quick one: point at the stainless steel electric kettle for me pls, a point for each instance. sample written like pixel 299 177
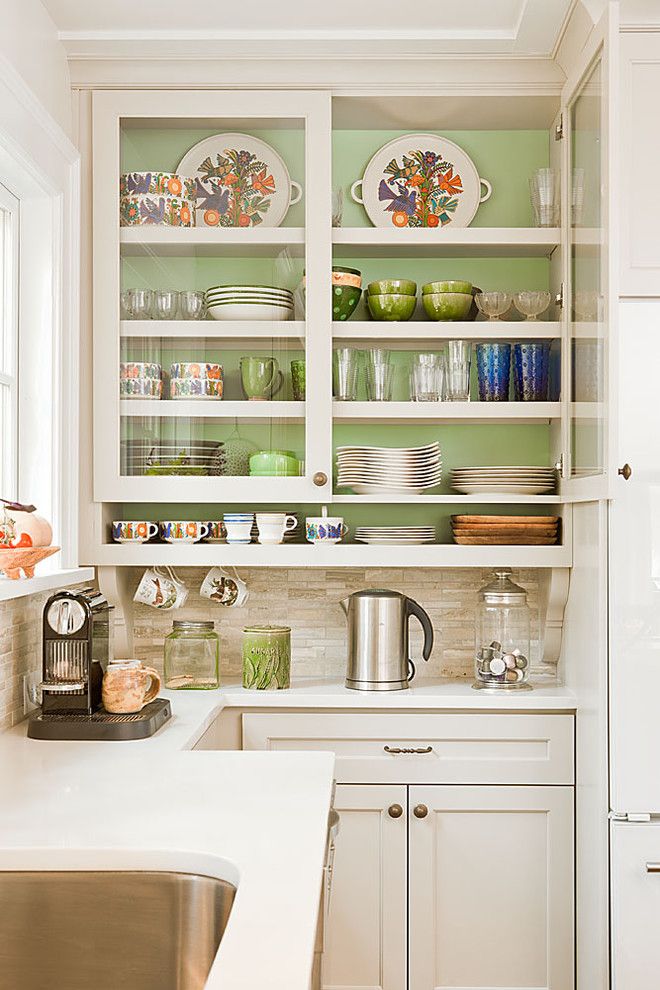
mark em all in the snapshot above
pixel 378 657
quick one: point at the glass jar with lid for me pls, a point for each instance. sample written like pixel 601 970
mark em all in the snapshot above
pixel 266 657
pixel 192 656
pixel 503 641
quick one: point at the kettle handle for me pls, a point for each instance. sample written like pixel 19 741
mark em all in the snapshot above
pixel 411 669
pixel 413 608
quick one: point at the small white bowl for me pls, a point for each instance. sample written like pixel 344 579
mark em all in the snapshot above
pixel 249 311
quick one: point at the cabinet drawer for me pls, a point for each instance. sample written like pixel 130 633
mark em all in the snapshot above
pixel 452 748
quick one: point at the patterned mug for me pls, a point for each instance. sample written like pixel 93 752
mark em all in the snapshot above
pixel 133 531
pixel 184 531
pixel 325 529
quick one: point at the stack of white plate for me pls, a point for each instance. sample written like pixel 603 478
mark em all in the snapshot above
pixel 249 302
pixel 504 480
pixel 389 470
pixel 404 536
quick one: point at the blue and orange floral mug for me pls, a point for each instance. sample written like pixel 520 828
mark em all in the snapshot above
pixel 325 529
pixel 184 531
pixel 133 530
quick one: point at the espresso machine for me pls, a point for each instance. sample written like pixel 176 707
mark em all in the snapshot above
pixel 77 647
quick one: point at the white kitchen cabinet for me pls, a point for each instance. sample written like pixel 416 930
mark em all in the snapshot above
pixel 635 905
pixel 491 887
pixel 365 938
pixel 640 151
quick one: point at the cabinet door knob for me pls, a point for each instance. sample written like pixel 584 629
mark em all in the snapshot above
pixel 625 472
pixel 395 811
pixel 420 811
pixel 320 479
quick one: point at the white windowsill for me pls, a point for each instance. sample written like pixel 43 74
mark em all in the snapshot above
pixel 43 582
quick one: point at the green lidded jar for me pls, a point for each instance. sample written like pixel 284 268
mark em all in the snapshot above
pixel 192 656
pixel 266 657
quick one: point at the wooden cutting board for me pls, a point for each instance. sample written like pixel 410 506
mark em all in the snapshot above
pixel 474 541
pixel 506 520
pixel 496 531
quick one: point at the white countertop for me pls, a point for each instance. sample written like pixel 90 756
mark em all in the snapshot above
pixel 255 819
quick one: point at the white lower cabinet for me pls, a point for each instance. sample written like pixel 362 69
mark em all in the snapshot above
pixel 454 863
pixel 365 937
pixel 491 888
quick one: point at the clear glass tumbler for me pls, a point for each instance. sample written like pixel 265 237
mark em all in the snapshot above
pixel 544 192
pixel 166 303
pixel 459 359
pixel 345 371
pixel 192 304
pixel 138 303
pixel 379 382
pixel 427 378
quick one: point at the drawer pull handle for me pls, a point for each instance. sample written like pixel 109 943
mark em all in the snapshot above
pixel 395 811
pixel 395 750
pixel 420 811
pixel 653 867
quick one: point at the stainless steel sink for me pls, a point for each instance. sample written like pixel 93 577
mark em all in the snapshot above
pixel 110 930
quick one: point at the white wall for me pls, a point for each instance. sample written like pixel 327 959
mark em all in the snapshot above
pixel 29 43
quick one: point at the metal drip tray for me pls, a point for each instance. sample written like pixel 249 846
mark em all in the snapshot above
pixel 110 929
pixel 100 725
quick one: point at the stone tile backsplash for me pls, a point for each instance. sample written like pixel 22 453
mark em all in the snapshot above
pixel 306 599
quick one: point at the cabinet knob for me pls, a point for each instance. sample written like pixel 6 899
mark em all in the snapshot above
pixel 320 479
pixel 420 811
pixel 625 472
pixel 395 811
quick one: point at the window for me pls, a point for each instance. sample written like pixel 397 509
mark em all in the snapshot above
pixel 9 233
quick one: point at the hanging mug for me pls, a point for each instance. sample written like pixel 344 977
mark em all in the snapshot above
pixel 161 588
pixel 224 589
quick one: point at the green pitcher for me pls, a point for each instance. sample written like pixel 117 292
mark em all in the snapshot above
pixel 261 377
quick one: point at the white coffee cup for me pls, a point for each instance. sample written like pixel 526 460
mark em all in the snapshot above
pixel 273 525
pixel 161 589
pixel 225 589
pixel 238 532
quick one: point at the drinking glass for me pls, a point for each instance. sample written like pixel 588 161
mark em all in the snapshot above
pixel 337 207
pixel 345 369
pixel 459 358
pixel 378 355
pixel 544 192
pixel 192 304
pixel 138 303
pixel 493 371
pixel 531 304
pixel 531 365
pixel 493 304
pixel 379 382
pixel 166 302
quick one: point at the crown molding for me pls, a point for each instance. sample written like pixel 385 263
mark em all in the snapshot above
pixel 35 111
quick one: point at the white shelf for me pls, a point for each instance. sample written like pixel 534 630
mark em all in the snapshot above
pixel 446 412
pixel 448 499
pixel 213 409
pixel 446 242
pixel 417 333
pixel 210 241
pixel 234 334
pixel 341 555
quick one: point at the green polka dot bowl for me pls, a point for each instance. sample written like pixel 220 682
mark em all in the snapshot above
pixel 344 300
pixel 392 306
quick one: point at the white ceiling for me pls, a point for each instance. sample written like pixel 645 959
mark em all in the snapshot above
pixel 492 27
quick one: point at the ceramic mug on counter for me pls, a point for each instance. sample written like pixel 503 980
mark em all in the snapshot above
pixel 133 531
pixel 184 531
pixel 128 686
pixel 225 589
pixel 325 529
pixel 161 589
pixel 273 525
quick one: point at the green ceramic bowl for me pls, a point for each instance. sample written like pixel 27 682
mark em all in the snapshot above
pixel 392 306
pixel 344 300
pixel 452 286
pixel 273 462
pixel 402 286
pixel 447 305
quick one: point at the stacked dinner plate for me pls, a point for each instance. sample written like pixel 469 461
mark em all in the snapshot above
pixel 505 530
pixel 389 470
pixel 505 480
pixel 249 302
pixel 190 458
pixel 404 536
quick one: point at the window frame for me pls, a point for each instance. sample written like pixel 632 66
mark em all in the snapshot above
pixel 9 341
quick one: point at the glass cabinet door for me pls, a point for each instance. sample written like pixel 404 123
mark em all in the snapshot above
pixel 212 261
pixel 587 283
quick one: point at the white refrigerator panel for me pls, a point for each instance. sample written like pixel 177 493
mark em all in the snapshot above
pixel 635 568
pixel 635 906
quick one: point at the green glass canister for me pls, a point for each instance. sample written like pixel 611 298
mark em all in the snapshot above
pixel 192 656
pixel 266 657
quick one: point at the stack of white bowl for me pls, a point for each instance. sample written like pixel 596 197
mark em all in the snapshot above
pixel 389 470
pixel 504 480
pixel 249 302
